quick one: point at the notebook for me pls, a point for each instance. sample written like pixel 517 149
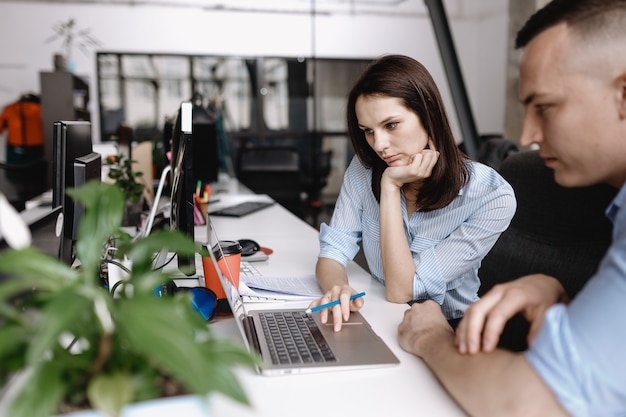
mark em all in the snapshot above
pixel 318 349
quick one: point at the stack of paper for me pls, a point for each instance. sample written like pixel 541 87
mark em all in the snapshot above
pixel 279 288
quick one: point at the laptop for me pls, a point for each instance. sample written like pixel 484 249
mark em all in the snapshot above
pixel 312 346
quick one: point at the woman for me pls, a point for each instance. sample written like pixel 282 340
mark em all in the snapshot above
pixel 424 212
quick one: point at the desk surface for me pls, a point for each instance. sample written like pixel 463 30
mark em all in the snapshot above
pixel 406 389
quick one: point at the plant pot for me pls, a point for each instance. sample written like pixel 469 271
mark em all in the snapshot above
pixel 132 213
pixel 59 62
pixel 184 405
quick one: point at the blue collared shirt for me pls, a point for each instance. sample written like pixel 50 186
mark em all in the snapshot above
pixel 579 351
pixel 447 244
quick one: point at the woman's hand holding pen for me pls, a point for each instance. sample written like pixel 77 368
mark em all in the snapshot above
pixel 341 311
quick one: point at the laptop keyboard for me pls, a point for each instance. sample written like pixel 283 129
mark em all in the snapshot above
pixel 293 337
pixel 246 269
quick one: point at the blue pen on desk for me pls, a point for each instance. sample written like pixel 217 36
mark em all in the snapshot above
pixel 332 303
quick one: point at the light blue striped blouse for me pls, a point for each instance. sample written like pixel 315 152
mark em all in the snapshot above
pixel 448 244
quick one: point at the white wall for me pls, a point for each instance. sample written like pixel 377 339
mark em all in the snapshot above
pixel 479 28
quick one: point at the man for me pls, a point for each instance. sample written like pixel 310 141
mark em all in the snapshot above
pixel 573 88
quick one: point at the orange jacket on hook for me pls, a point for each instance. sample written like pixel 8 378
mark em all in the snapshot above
pixel 23 121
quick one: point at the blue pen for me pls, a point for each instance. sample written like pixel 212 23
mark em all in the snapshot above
pixel 332 303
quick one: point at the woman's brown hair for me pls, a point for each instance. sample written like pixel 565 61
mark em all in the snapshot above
pixel 403 77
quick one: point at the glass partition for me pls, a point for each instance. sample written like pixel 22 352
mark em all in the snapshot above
pixel 261 101
pixel 259 95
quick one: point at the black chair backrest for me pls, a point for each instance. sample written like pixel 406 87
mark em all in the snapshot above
pixel 21 182
pixel 272 170
pixel 556 230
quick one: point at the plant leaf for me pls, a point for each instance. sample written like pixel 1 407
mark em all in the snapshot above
pixel 11 338
pixel 221 357
pixel 34 269
pixel 158 328
pixel 15 231
pixel 152 327
pixel 95 229
pixel 110 393
pixel 58 316
pixel 13 343
pixel 142 250
pixel 41 393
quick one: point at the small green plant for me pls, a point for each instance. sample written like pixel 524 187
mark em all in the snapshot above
pixel 121 172
pixel 69 344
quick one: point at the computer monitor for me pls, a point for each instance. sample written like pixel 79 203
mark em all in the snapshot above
pixel 86 168
pixel 205 147
pixel 206 159
pixel 71 141
pixel 182 189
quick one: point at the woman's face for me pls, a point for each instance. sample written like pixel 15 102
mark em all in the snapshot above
pixel 392 130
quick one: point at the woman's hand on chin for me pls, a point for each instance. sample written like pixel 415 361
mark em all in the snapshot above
pixel 420 167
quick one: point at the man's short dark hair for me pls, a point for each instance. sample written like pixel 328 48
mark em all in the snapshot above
pixel 583 15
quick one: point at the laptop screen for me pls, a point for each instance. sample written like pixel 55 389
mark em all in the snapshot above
pixel 233 296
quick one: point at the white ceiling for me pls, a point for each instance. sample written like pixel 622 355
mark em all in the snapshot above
pixel 272 6
pixel 250 4
pixel 225 3
pixel 459 9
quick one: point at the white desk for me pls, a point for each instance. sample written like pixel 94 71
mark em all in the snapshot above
pixel 407 389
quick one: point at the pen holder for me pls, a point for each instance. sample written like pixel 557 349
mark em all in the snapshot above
pixel 228 261
pixel 199 212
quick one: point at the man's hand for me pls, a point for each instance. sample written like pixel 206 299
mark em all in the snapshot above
pixel 484 320
pixel 500 383
pixel 421 321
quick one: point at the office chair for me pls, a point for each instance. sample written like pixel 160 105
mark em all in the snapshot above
pixel 314 179
pixel 272 170
pixel 558 231
pixel 22 182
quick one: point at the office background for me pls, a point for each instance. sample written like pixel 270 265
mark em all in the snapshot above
pixel 361 29
pixel 322 28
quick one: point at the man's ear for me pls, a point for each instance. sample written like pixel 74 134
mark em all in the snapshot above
pixel 620 84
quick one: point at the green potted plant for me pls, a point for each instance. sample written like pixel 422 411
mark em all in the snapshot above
pixel 71 36
pixel 70 344
pixel 122 174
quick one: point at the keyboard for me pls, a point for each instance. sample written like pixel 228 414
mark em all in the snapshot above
pixel 246 269
pixel 293 337
pixel 242 209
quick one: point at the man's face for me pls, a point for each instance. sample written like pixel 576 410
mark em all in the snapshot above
pixel 570 112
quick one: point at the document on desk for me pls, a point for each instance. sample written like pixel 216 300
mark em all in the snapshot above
pixel 286 288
